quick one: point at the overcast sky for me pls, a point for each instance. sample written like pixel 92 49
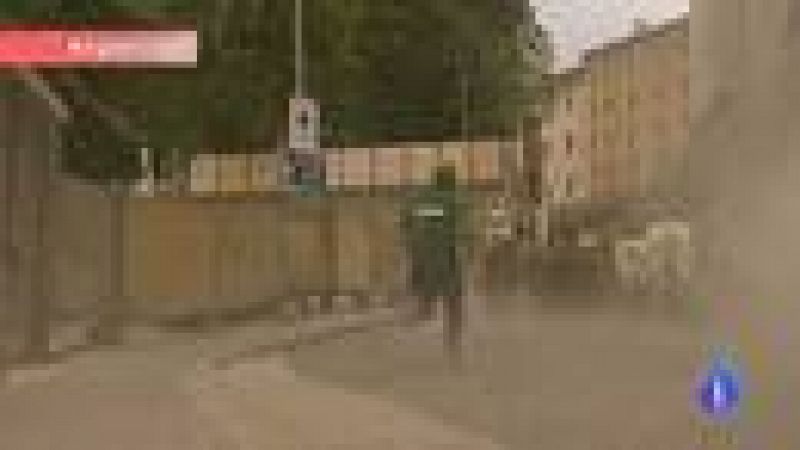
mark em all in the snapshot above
pixel 579 24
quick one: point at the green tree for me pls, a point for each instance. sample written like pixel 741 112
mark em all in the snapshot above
pixel 382 69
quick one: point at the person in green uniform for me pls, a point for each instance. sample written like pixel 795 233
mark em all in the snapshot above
pixel 436 222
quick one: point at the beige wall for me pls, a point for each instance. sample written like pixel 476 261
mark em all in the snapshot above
pixel 183 254
pixel 570 120
pixel 236 252
pixel 396 165
pixel 745 115
pixel 234 173
pixel 640 113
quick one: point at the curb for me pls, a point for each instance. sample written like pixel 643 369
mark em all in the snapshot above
pixel 302 334
pixel 17 373
pixel 306 330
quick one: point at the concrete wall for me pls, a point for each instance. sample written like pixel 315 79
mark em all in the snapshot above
pixel 745 100
pixel 24 140
pixel 184 253
pixel 187 254
pixel 80 252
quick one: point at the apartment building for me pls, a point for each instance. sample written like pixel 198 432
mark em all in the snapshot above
pixel 615 139
pixel 639 114
pixel 565 158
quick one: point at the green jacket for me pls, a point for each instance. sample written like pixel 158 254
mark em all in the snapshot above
pixel 438 237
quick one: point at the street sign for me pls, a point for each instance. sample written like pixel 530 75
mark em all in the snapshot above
pixel 305 163
pixel 304 124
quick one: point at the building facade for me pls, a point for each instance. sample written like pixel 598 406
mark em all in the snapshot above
pixel 565 157
pixel 639 114
pixel 566 168
pixel 615 140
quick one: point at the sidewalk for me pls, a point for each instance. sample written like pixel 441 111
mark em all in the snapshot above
pixel 264 405
pixel 220 391
pixel 217 347
pixel 128 398
pixel 222 348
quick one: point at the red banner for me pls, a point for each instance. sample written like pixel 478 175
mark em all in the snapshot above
pixel 119 48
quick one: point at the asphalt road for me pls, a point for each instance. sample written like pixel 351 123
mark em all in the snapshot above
pixel 565 379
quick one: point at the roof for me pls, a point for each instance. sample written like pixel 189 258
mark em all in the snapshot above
pixel 568 76
pixel 566 79
pixel 641 34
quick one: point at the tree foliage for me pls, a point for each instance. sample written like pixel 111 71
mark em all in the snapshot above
pixel 382 70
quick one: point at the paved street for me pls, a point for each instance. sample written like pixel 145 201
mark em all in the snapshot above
pixel 555 380
pixel 101 400
pixel 166 394
pixel 536 377
pixel 263 404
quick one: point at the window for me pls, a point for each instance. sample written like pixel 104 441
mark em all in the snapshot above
pixel 569 186
pixel 568 104
pixel 569 143
pixel 633 100
pixel 608 104
pixel 159 169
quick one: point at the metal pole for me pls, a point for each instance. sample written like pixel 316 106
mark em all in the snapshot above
pixel 464 105
pixel 12 271
pixel 38 343
pixel 298 48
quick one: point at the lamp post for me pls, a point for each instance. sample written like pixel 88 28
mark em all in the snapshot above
pixel 10 207
pixel 304 148
pixel 298 48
